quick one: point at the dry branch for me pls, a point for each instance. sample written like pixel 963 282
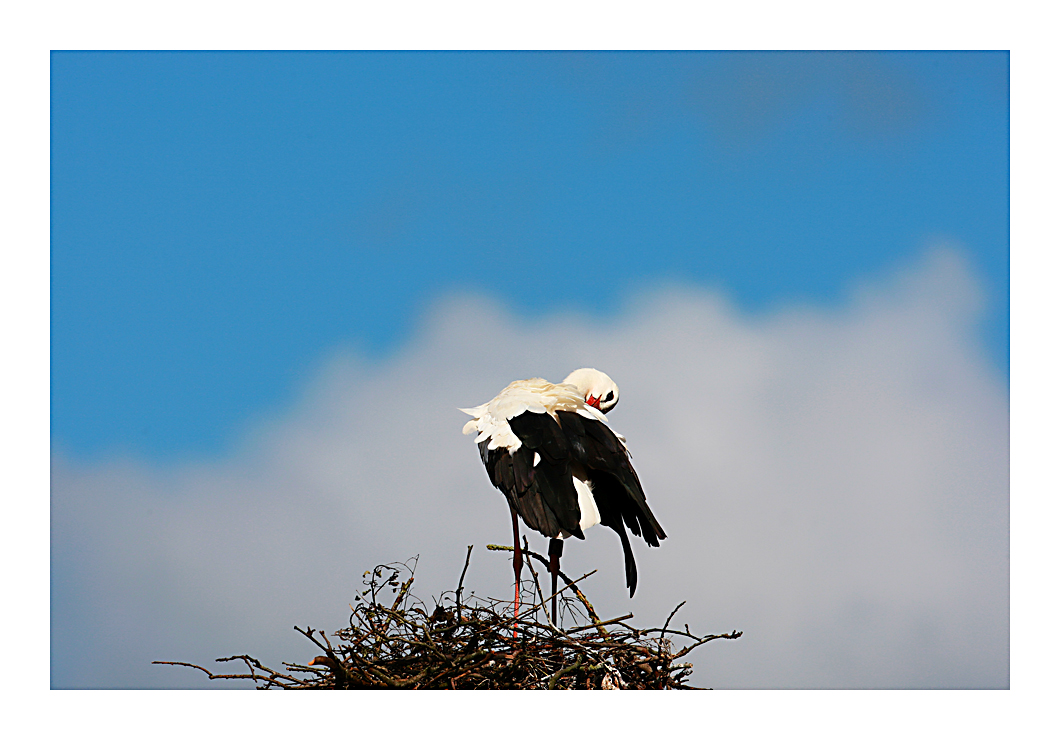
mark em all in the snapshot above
pixel 468 643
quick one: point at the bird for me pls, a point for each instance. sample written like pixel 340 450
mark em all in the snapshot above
pixel 549 449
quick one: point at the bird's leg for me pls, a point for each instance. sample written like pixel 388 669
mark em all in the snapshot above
pixel 517 563
pixel 555 550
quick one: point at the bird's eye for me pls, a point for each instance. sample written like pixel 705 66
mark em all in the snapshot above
pixel 610 395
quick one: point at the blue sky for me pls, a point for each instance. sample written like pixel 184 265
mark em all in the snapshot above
pixel 221 222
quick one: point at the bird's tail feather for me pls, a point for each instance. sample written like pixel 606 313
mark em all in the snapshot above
pixel 631 564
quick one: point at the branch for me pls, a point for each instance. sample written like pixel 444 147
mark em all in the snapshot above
pixel 460 586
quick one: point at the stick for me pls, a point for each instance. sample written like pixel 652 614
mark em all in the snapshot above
pixel 460 586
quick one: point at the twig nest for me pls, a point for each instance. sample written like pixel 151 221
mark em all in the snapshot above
pixel 478 643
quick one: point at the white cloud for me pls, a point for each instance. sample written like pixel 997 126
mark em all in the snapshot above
pixel 833 482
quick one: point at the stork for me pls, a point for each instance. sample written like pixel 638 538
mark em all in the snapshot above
pixel 548 448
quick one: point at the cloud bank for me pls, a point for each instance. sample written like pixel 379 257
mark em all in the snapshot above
pixel 834 482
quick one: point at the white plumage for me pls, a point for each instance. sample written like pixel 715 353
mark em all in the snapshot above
pixel 536 396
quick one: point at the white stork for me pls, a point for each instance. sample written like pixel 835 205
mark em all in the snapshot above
pixel 550 451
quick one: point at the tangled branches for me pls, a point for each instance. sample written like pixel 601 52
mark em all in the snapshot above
pixel 394 642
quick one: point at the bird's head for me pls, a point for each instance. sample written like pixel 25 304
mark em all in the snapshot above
pixel 598 390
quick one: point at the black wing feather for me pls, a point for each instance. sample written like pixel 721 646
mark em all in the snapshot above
pixel 552 481
pixel 544 495
pixel 606 457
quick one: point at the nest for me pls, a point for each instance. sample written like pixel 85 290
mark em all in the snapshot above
pixel 394 641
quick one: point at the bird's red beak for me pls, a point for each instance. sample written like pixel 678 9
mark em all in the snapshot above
pixel 593 401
